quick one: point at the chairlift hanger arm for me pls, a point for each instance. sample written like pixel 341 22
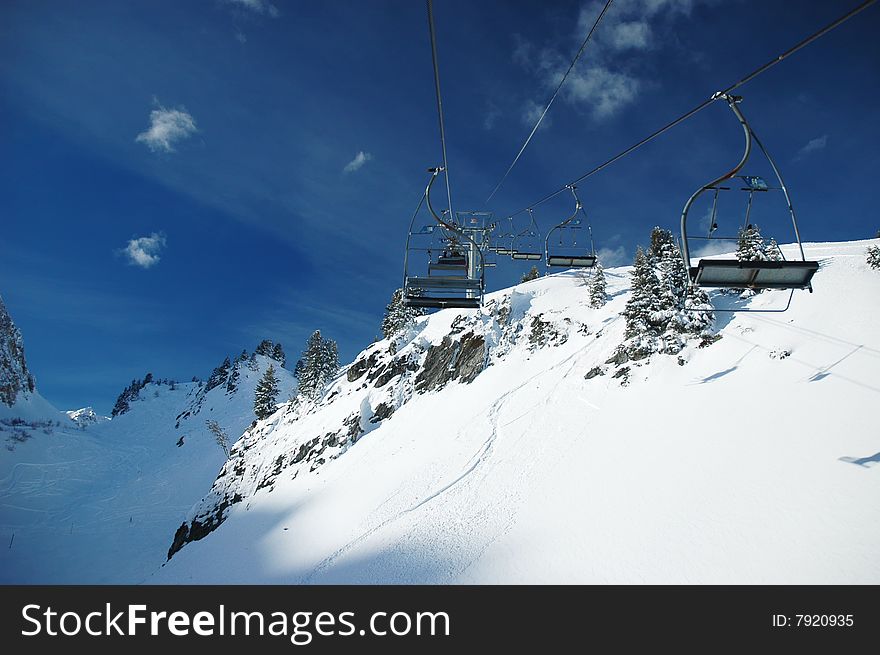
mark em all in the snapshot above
pixel 733 103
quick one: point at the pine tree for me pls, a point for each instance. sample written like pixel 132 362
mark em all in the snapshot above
pixel 232 382
pixel 265 348
pixel 278 354
pixel 661 241
pixel 398 316
pixel 266 394
pixel 643 305
pixel 874 256
pixel 598 292
pixel 319 363
pixel 219 375
pixel 533 274
pixel 751 246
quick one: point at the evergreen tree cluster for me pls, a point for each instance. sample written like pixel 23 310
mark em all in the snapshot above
pixel 751 246
pixel 663 310
pixel 266 394
pixel 874 256
pixel 272 351
pixel 220 375
pixel 532 274
pixel 598 287
pixel 397 316
pixel 317 366
pixel 129 395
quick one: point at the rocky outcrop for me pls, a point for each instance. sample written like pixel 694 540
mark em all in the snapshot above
pixel 453 359
pixel 14 375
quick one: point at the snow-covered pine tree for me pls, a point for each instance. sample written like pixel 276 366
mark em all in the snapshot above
pixel 533 274
pixel 751 246
pixel 319 363
pixel 873 256
pixel 643 305
pixel 397 316
pixel 232 382
pixel 219 375
pixel 661 240
pixel 686 310
pixel 597 288
pixel 266 394
pixel 265 348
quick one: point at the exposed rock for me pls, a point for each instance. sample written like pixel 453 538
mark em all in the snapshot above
pixel 361 366
pixel 593 372
pixel 383 411
pixel 462 359
pixel 620 356
pixel 14 375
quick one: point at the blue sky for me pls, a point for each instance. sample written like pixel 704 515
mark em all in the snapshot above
pixel 181 179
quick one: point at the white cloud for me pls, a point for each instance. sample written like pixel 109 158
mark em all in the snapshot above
pixel 635 35
pixel 606 91
pixel 144 251
pixel 359 160
pixel 531 112
pixel 610 257
pixel 167 126
pixel 240 36
pixel 598 82
pixel 256 6
pixel 813 145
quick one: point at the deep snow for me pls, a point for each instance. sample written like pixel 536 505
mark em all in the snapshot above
pixel 756 461
pixel 734 467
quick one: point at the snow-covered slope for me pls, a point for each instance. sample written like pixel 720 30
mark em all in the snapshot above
pixel 507 445
pixel 99 503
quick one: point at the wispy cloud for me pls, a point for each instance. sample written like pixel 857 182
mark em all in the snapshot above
pixel 531 111
pixel 256 6
pixel 167 127
pixel 598 83
pixel 144 251
pixel 493 113
pixel 813 145
pixel 240 36
pixel 358 162
pixel 610 257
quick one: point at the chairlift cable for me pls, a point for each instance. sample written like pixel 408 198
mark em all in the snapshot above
pixel 552 99
pixel 439 103
pixel 715 96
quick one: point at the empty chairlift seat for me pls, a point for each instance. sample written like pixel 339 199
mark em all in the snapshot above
pixel 574 261
pixel 726 273
pixel 528 256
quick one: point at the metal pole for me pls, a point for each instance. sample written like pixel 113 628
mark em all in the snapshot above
pixel 732 103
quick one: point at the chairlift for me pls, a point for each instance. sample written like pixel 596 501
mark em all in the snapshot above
pixel 455 275
pixel 732 273
pixel 526 251
pixel 571 255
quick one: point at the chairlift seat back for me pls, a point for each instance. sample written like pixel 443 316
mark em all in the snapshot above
pixel 572 261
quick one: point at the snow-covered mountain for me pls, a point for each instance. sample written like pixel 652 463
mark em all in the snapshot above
pixel 514 444
pixel 511 444
pixel 100 504
pixel 85 416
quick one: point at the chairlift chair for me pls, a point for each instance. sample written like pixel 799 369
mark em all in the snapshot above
pixel 455 277
pixel 732 273
pixel 526 251
pixel 572 256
